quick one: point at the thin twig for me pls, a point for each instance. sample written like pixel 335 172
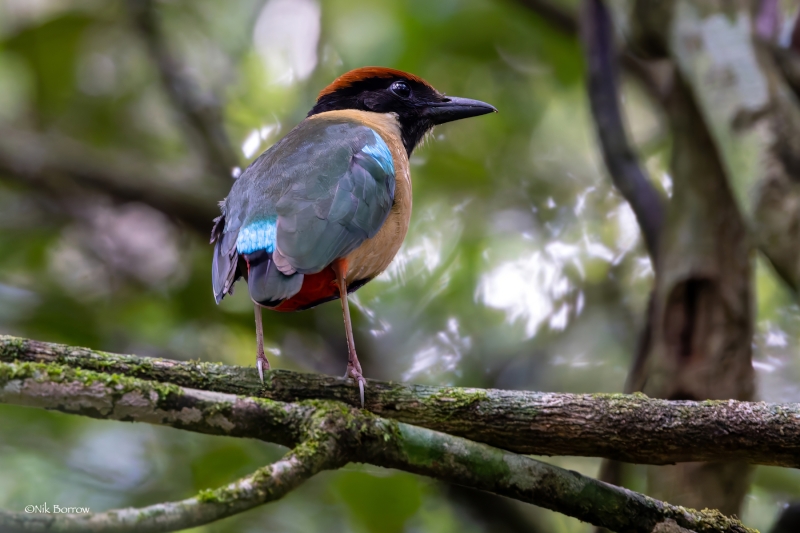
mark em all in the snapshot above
pixel 559 17
pixel 43 161
pixel 265 485
pixel 621 160
pixel 650 76
pixel 202 115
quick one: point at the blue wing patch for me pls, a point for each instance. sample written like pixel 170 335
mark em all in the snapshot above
pixel 381 153
pixel 258 235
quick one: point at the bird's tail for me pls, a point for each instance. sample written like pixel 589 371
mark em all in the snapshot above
pixel 267 285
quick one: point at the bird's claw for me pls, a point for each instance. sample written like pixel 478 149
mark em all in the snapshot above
pixel 354 373
pixel 262 363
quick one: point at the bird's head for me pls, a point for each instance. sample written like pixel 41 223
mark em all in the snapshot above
pixel 418 106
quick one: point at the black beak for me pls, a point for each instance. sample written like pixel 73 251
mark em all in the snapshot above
pixel 454 108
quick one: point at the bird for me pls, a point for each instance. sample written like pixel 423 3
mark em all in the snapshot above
pixel 326 208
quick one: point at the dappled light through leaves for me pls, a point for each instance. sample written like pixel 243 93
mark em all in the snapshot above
pixel 523 268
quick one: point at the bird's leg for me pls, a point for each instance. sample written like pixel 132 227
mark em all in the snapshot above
pixel 353 366
pixel 261 359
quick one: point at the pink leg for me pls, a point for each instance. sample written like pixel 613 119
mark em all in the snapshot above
pixel 261 359
pixel 353 366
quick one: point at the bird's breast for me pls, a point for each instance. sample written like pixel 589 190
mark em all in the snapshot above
pixel 376 253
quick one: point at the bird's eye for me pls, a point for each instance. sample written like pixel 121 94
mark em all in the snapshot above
pixel 401 89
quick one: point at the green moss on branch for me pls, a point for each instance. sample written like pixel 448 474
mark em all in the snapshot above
pixel 266 484
pixel 326 434
pixel 631 428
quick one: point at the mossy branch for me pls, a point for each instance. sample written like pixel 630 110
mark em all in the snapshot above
pixel 325 434
pixel 265 485
pixel 630 428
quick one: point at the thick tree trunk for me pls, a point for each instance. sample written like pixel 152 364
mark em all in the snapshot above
pixel 697 342
pixel 702 317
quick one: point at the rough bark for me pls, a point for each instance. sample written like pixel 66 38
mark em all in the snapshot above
pixel 631 428
pixel 745 90
pixel 325 435
pixel 749 99
pixel 702 326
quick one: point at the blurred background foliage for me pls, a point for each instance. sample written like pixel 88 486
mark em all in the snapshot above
pixel 523 268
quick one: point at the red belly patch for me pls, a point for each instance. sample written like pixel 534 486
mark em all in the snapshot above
pixel 317 288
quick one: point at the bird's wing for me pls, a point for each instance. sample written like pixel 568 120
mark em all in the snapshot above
pixel 224 271
pixel 315 196
pixel 328 213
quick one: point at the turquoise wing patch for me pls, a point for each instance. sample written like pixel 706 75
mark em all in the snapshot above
pixel 258 235
pixel 379 151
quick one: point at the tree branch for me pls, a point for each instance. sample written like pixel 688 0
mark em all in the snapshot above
pixel 775 220
pixel 115 397
pixel 486 468
pixel 621 160
pixel 201 115
pixel 265 485
pixel 631 428
pixel 330 434
pixel 559 17
pixel 566 21
pixel 753 118
pixel 41 160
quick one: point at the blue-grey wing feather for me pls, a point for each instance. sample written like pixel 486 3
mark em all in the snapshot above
pixel 329 186
pixel 224 271
pixel 327 216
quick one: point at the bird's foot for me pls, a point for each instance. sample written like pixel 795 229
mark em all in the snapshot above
pixel 354 371
pixel 262 364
